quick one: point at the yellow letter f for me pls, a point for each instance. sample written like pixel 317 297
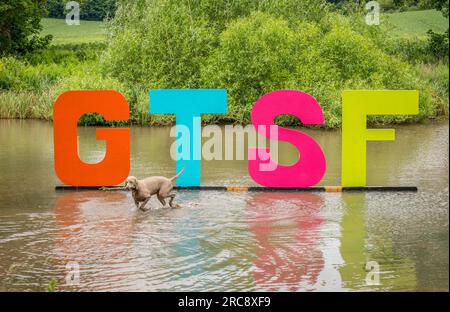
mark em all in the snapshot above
pixel 356 105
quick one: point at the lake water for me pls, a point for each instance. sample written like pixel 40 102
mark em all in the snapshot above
pixel 224 241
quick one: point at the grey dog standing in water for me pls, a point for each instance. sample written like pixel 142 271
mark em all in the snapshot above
pixel 143 190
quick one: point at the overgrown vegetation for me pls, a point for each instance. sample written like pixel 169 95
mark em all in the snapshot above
pixel 249 47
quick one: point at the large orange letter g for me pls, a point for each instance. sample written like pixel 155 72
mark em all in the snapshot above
pixel 68 109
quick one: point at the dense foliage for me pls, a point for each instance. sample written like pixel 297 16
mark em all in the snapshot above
pixel 20 26
pixel 254 47
pixel 89 9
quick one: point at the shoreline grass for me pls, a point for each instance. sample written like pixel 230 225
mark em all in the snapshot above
pixel 30 85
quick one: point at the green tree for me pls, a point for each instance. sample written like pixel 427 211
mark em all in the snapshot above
pixel 97 9
pixel 56 8
pixel 20 26
pixel 161 43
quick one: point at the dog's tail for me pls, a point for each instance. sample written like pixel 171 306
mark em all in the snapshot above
pixel 177 175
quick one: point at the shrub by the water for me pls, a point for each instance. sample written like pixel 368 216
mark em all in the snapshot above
pixel 253 49
pixel 260 53
pixel 162 43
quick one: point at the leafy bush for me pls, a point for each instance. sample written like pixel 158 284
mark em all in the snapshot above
pixel 176 44
pixel 438 45
pixel 260 53
pixel 159 46
pixel 43 68
pixel 18 75
pixel 257 55
pixel 162 43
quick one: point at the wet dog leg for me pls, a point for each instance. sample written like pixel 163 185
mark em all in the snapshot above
pixel 161 200
pixel 144 203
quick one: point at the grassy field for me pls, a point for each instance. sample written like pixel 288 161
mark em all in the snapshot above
pixel 417 23
pixel 86 32
pixel 406 24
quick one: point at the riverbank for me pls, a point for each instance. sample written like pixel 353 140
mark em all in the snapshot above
pixel 30 84
pixel 34 88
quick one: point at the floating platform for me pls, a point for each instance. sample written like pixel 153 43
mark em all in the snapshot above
pixel 329 189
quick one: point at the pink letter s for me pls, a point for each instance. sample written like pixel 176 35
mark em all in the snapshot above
pixel 311 166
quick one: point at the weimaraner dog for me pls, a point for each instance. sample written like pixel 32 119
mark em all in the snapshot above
pixel 143 190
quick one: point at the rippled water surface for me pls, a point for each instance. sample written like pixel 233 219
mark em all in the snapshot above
pixel 225 240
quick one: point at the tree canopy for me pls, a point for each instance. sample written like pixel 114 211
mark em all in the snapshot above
pixel 20 26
